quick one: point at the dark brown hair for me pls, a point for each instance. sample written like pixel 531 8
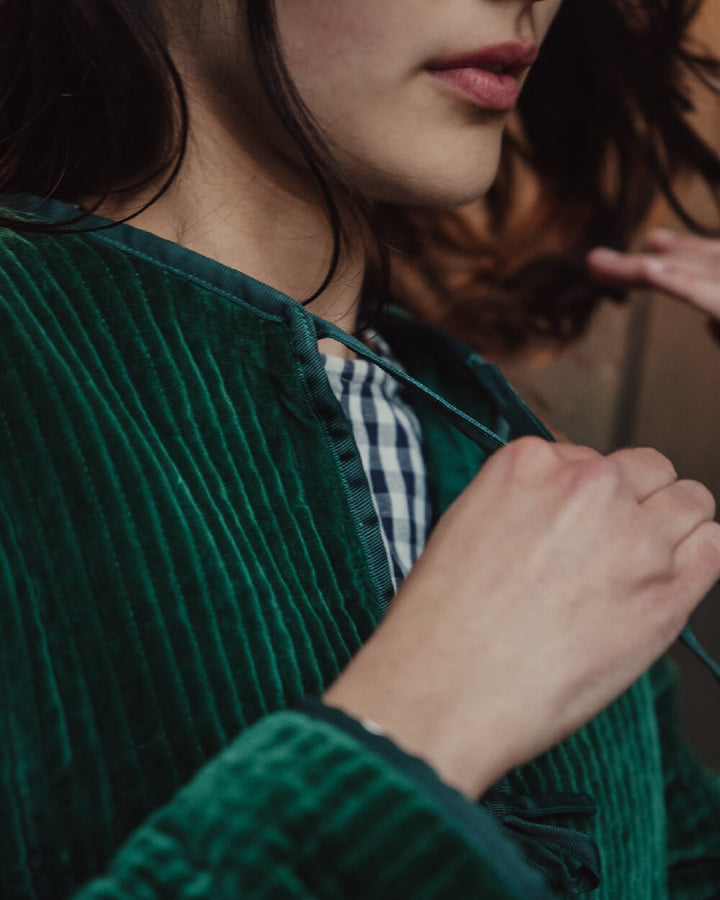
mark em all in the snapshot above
pixel 91 104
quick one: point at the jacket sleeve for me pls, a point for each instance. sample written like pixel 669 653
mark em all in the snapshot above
pixel 298 808
pixel 692 795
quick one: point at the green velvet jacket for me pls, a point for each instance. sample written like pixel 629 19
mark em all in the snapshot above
pixel 188 548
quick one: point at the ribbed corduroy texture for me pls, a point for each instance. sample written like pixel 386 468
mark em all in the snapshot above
pixel 180 555
pixel 296 810
pixel 179 559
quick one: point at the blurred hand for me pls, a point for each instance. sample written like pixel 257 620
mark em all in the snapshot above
pixel 549 586
pixel 686 266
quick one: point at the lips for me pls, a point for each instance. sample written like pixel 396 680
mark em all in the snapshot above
pixel 489 77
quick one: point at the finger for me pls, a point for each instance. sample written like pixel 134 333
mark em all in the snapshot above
pixel 694 280
pixel 575 452
pixel 645 469
pixel 680 508
pixel 638 269
pixel 697 560
pixel 685 244
pixel 612 267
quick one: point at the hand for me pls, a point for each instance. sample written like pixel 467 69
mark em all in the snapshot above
pixel 686 266
pixel 549 586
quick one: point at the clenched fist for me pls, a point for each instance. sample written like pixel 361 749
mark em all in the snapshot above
pixel 549 586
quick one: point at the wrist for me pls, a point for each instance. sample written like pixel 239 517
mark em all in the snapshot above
pixel 432 728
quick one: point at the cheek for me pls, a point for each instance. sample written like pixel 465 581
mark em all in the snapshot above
pixel 337 56
pixel 319 38
pixel 353 62
pixel 340 51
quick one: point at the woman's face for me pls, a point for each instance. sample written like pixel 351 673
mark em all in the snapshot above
pixel 396 86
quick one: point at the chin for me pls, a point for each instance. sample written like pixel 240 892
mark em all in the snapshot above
pixel 443 191
pixel 454 179
pixel 449 196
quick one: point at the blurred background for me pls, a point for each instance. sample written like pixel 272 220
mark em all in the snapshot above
pixel 648 373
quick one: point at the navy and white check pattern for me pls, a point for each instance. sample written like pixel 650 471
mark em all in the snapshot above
pixel 387 433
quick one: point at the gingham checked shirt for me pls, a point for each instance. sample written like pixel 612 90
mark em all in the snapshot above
pixel 387 433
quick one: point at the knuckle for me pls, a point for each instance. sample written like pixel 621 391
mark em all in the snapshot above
pixel 604 473
pixel 656 460
pixel 531 444
pixel 700 497
pixel 530 453
pixel 575 452
pixel 710 545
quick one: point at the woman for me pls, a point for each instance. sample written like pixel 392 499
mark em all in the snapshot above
pixel 204 519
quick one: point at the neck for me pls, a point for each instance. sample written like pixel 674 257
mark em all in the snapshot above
pixel 265 220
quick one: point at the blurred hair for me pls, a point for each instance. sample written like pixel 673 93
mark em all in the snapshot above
pixel 91 105
pixel 602 131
